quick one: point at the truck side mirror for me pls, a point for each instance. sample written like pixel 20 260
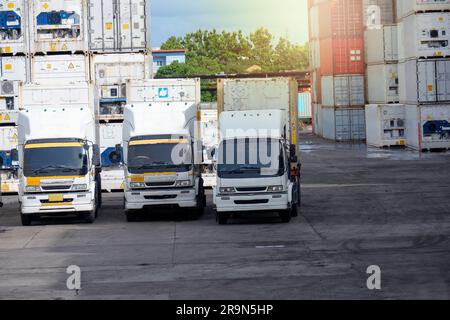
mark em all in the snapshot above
pixel 14 155
pixel 96 156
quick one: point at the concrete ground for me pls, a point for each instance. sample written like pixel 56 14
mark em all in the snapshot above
pixel 361 207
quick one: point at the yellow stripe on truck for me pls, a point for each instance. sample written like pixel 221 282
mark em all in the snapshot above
pixel 36 181
pixel 53 145
pixel 157 141
pixel 56 204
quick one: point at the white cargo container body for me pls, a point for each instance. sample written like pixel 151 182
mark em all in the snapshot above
pixel 60 68
pixel 112 170
pixel 382 83
pixel 342 124
pixel 378 13
pixel 15 68
pixel 14 30
pixel 381 45
pixel 58 26
pixel 424 81
pixel 386 125
pixel 343 91
pixel 424 35
pixel 119 26
pixel 409 7
pixel 428 127
pixel 70 95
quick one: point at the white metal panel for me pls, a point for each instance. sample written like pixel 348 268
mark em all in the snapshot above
pixel 328 123
pixel 341 91
pixel 14 68
pixel 443 80
pixel 327 91
pixel 424 35
pixel 408 7
pixel 378 13
pixel 110 135
pixel 356 86
pixel 60 68
pixel 58 26
pixel 390 43
pixel 8 138
pixel 382 83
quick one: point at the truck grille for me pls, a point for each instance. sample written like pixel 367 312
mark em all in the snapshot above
pixel 53 188
pixel 164 197
pixel 254 189
pixel 261 201
pixel 159 184
pixel 64 201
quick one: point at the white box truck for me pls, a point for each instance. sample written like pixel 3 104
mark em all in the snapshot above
pixel 161 146
pixel 59 162
pixel 258 166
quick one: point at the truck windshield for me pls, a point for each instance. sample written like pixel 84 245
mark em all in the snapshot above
pixel 251 158
pixel 55 161
pixel 158 156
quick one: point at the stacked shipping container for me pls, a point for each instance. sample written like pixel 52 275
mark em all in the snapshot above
pixel 337 61
pixel 424 71
pixel 385 118
pixel 101 42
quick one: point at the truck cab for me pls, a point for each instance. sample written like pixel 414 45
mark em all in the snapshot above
pixel 160 152
pixel 59 163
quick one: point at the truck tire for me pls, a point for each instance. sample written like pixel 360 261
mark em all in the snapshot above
pixel 222 218
pixel 286 215
pixel 90 217
pixel 26 219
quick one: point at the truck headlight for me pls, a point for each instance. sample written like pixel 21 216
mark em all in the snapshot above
pixel 32 188
pixel 137 185
pixel 275 189
pixel 183 183
pixel 79 187
pixel 227 190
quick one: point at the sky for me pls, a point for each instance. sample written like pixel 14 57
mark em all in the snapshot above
pixel 283 18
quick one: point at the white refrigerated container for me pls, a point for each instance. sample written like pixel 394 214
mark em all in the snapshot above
pixel 14 30
pixel 409 7
pixel 378 13
pixel 58 26
pixel 60 68
pixel 385 125
pixel 112 173
pixel 382 83
pixel 119 26
pixel 381 45
pixel 14 68
pixel 343 91
pixel 428 127
pixel 424 81
pixel 424 35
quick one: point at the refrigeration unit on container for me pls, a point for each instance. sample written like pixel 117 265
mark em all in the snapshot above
pixel 409 7
pixel 342 56
pixel 378 13
pixel 60 68
pixel 119 26
pixel 381 45
pixel 210 140
pixel 424 35
pixel 385 125
pixel 8 142
pixel 343 91
pixel 13 26
pixel 13 71
pixel 112 161
pixel 9 182
pixel 58 26
pixel 343 124
pixel 110 72
pixel 428 127
pixel 424 81
pixel 382 83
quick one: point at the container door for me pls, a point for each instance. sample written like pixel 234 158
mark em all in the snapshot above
pixel 102 25
pixel 343 125
pixel 356 90
pixel 131 24
pixel 426 74
pixel 443 80
pixel 341 91
pixel 358 124
pixel 390 43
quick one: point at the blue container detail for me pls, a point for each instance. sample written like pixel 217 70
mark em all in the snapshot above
pixel 56 18
pixel 5 160
pixel 441 127
pixel 10 20
pixel 110 158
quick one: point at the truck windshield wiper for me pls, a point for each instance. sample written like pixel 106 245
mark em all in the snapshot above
pixel 46 168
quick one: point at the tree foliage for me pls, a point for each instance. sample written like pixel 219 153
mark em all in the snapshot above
pixel 212 52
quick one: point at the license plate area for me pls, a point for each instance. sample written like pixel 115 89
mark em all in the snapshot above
pixel 55 198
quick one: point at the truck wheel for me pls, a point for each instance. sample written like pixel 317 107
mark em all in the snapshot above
pixel 26 219
pixel 90 217
pixel 222 218
pixel 286 215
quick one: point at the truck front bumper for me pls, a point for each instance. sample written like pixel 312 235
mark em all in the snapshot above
pixel 72 203
pixel 139 199
pixel 252 202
